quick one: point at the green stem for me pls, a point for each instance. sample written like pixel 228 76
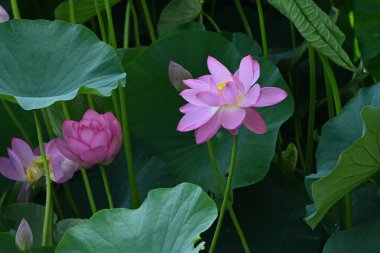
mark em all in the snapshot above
pixel 88 190
pixel 127 24
pixel 338 109
pixel 65 110
pixel 212 22
pixel 15 10
pixel 262 29
pixel 57 206
pixel 116 104
pixel 222 189
pixel 243 18
pixel 201 12
pixel 329 96
pixel 293 35
pixel 111 29
pixel 100 21
pixel 17 123
pixel 106 186
pixel 226 195
pixel 71 11
pixel 312 99
pixel 135 24
pixel 148 21
pixel 46 119
pixel 47 181
pixel 90 101
pixel 128 150
pixel 70 199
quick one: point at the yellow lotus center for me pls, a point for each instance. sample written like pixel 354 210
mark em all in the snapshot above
pixel 36 170
pixel 221 86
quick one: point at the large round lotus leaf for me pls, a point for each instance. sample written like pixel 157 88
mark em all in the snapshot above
pixel 47 61
pixel 169 220
pixel 153 104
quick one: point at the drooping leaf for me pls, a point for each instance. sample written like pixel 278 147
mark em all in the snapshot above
pixel 178 12
pixel 33 214
pixel 84 10
pixel 69 60
pixel 155 126
pixel 355 166
pixel 317 28
pixel 361 239
pixel 169 220
pixel 367 19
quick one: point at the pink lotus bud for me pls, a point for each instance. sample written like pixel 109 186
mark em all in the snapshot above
pixel 95 139
pixel 24 236
pixel 3 15
pixel 177 74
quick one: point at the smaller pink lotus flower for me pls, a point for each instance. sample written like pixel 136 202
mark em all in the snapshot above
pixel 24 236
pixel 226 100
pixel 95 139
pixel 3 15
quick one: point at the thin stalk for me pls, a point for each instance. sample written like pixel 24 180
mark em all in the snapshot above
pixel 57 206
pixel 51 225
pixel 88 190
pixel 338 109
pixel 201 12
pixel 65 110
pixel 212 22
pixel 106 186
pixel 100 21
pixel 127 24
pixel 312 99
pixel 243 18
pixel 222 189
pixel 329 96
pixel 15 10
pixel 90 101
pixel 262 29
pixel 135 24
pixel 71 11
pixel 17 123
pixel 148 20
pixel 226 195
pixel 116 105
pixel 70 199
pixel 46 119
pixel 293 35
pixel 128 150
pixel 111 29
pixel 45 229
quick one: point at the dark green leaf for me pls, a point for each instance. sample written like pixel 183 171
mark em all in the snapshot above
pixel 8 244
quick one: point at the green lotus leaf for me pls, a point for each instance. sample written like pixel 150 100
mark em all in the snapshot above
pixel 47 61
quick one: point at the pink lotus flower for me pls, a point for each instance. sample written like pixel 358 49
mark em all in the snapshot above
pixel 24 236
pixel 95 139
pixel 226 100
pixel 3 15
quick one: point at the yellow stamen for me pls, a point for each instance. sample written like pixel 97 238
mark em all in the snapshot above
pixel 36 170
pixel 221 86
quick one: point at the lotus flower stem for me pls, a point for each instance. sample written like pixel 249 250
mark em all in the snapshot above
pixel 127 24
pixel 262 29
pixel 329 95
pixel 90 101
pixel 46 119
pixel 148 21
pixel 83 171
pixel 88 190
pixel 15 10
pixel 312 101
pixel 226 194
pixel 47 181
pixel 135 24
pixel 56 204
pixel 128 150
pixel 106 186
pixel 100 21
pixel 116 105
pixel 243 18
pixel 70 199
pixel 229 206
pixel 71 11
pixel 329 73
pixel 217 29
pixel 16 122
pixel 111 29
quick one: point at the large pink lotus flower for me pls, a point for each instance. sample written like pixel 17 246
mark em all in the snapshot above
pixel 226 100
pixel 95 139
pixel 3 15
pixel 62 169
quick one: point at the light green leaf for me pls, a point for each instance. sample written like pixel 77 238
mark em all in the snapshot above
pixel 169 220
pixel 178 12
pixel 84 10
pixel 70 59
pixel 355 166
pixel 317 28
pixel 63 225
pixel 367 19
pixel 360 239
